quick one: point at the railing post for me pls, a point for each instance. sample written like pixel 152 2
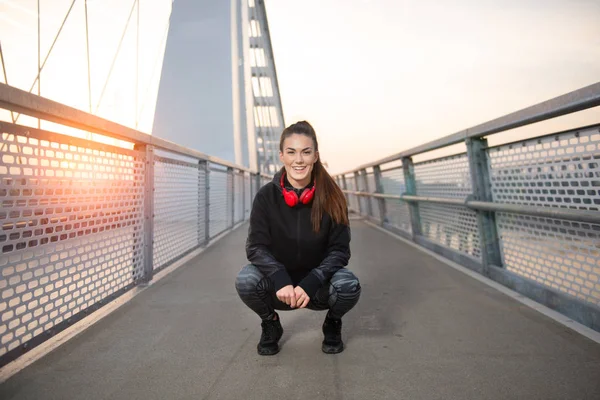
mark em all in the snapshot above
pixel 365 181
pixel 345 187
pixel 379 189
pixel 251 188
pixel 243 216
pixel 148 226
pixel 486 220
pixel 411 189
pixel 257 183
pixel 204 209
pixel 357 188
pixel 199 209
pixel 254 185
pixel 231 192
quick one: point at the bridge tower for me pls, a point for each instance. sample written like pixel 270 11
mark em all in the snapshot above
pixel 218 91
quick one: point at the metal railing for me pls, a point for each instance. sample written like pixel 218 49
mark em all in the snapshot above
pixel 84 222
pixel 525 214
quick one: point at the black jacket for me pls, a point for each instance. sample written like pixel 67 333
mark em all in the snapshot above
pixel 281 242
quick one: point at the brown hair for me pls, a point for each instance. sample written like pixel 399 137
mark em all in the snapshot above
pixel 329 197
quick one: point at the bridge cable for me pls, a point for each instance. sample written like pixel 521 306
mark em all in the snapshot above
pixel 49 51
pixel 137 63
pixel 156 60
pixel 87 46
pixel 39 46
pixel 116 55
pixel 12 115
pixel 89 73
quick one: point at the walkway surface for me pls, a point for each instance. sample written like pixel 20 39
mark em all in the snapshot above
pixel 422 330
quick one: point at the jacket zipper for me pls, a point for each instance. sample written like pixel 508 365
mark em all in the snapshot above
pixel 297 235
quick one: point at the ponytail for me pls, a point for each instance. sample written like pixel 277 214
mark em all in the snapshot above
pixel 329 198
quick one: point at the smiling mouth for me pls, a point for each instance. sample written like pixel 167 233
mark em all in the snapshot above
pixel 299 168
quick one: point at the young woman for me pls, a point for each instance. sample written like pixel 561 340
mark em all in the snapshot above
pixel 298 245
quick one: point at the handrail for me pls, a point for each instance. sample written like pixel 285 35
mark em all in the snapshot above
pixel 15 99
pixel 577 100
pixel 144 209
pixel 592 217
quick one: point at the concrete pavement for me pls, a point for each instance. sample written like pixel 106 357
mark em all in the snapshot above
pixel 421 330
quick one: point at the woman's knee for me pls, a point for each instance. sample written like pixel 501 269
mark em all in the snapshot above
pixel 344 281
pixel 248 279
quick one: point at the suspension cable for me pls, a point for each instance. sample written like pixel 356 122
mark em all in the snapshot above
pixel 137 63
pixel 49 51
pixel 87 45
pixel 89 135
pixel 154 67
pixel 12 114
pixel 116 55
pixel 39 47
pixel 53 43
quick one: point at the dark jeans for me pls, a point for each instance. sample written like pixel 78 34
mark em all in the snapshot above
pixel 338 296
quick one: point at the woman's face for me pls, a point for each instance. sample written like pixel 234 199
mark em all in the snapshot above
pixel 298 158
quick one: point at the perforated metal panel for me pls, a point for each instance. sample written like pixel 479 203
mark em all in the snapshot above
pixel 398 214
pixel 553 171
pixel 558 171
pixel 451 226
pixel 220 213
pixel 178 209
pixel 445 177
pixel 392 181
pixel 564 255
pixel 71 235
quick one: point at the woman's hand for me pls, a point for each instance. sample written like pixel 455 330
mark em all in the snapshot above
pixel 287 295
pixel 302 298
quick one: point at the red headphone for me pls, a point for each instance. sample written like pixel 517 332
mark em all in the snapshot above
pixel 291 198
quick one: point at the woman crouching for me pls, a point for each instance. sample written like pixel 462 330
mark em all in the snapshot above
pixel 298 245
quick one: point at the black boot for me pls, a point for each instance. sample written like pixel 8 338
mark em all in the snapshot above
pixel 269 340
pixel 332 331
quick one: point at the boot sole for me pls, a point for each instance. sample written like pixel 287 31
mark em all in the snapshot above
pixel 267 352
pixel 332 349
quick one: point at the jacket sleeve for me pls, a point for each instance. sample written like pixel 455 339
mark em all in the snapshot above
pixel 258 242
pixel 338 255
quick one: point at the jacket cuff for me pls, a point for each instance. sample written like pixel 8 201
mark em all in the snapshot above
pixel 310 284
pixel 280 279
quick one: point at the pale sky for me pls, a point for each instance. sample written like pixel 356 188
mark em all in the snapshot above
pixel 65 75
pixel 374 77
pixel 381 76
